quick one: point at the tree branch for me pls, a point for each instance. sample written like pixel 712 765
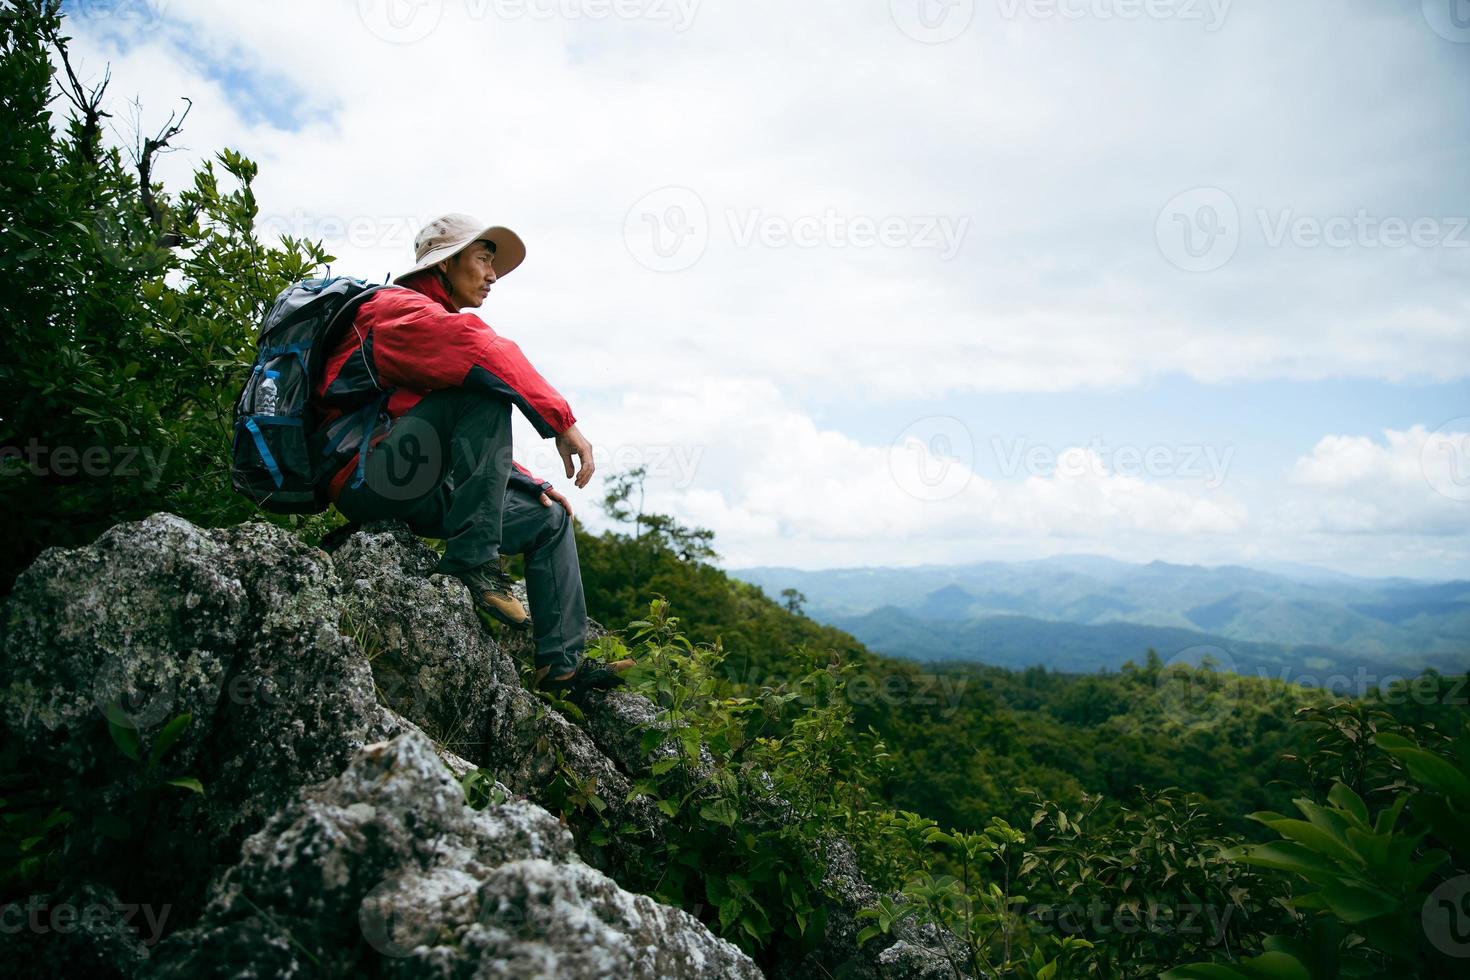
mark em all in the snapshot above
pixel 144 158
pixel 88 103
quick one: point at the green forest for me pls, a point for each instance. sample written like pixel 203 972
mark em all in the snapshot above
pixel 1177 822
pixel 1153 821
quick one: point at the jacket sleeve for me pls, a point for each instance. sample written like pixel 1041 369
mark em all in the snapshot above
pixel 416 344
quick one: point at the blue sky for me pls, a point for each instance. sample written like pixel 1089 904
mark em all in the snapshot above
pixel 823 267
pixel 1268 421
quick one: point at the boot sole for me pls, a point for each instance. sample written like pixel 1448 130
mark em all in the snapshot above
pixel 504 620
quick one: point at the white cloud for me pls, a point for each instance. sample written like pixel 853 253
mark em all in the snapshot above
pixel 1356 461
pixel 558 125
pixel 774 486
pixel 1415 481
pixel 1059 142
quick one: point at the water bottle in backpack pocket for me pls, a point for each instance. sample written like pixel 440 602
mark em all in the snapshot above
pixel 273 464
pixel 266 394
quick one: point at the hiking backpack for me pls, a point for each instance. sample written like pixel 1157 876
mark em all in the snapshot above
pixel 278 456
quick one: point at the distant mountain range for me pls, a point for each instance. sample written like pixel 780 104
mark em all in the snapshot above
pixel 1085 613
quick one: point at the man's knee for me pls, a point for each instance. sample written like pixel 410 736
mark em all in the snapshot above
pixel 557 518
pixel 555 524
pixel 531 525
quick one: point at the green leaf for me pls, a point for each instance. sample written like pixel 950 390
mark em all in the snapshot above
pixel 652 739
pixel 186 782
pixel 719 811
pixel 1293 857
pixel 126 738
pixel 1267 966
pixel 729 912
pixel 1352 903
pixel 167 737
pixel 1344 798
pixel 690 739
pixel 1434 772
pixel 1388 818
pixel 1319 840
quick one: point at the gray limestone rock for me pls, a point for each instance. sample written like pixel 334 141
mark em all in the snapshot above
pixel 384 870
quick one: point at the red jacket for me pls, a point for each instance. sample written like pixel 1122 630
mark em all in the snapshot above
pixel 414 341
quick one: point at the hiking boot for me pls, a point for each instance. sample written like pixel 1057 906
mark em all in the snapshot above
pixel 490 589
pixel 590 675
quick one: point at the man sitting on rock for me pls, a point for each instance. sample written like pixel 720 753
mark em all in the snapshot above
pixel 439 458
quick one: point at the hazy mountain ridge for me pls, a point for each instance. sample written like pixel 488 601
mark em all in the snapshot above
pixel 1017 642
pixel 1087 612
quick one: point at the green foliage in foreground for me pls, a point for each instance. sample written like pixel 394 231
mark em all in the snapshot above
pixel 753 784
pixel 54 824
pixel 1378 892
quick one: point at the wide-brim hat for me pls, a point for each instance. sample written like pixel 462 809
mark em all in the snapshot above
pixel 450 234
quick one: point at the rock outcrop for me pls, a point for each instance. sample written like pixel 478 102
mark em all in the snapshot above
pixel 327 703
pixel 330 702
pixel 385 864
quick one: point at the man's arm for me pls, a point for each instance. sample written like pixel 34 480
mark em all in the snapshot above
pixel 414 343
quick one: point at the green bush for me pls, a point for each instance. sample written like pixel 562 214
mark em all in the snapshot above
pixel 752 782
pixel 1368 884
pixel 131 311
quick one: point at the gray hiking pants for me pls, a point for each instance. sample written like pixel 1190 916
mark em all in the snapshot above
pixel 445 470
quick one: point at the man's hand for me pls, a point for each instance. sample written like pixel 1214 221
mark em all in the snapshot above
pixel 572 443
pixel 548 496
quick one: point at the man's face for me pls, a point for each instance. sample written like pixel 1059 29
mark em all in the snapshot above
pixel 471 274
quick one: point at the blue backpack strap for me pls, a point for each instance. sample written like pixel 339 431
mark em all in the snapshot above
pixel 265 452
pixel 370 413
pixel 299 349
pixel 336 440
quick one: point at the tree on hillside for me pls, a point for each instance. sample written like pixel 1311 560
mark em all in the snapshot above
pixel 794 601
